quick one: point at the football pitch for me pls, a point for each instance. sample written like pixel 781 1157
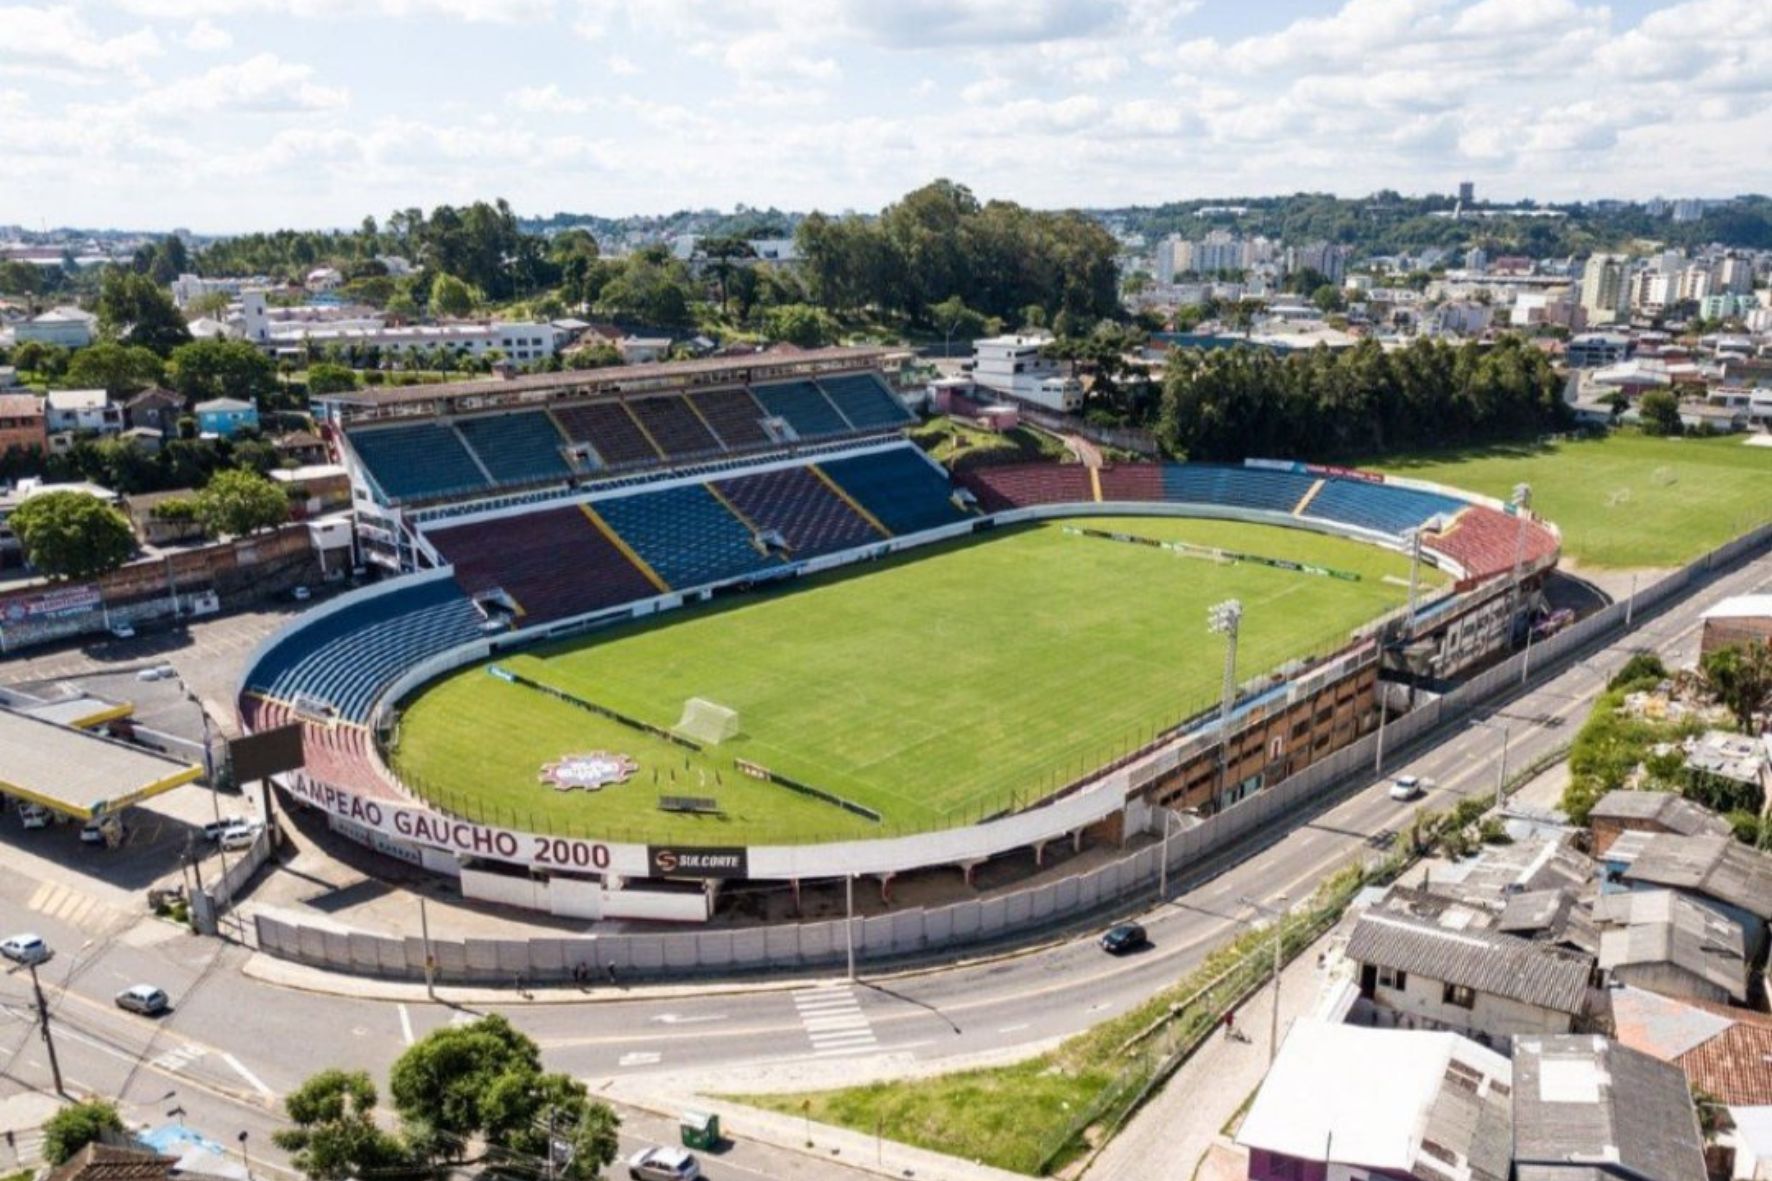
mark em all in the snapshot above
pixel 933 688
pixel 1626 501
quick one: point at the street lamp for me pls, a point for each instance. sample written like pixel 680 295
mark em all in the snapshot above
pixel 1169 814
pixel 1278 915
pixel 1522 505
pixel 244 1157
pixel 1225 619
pixel 1501 770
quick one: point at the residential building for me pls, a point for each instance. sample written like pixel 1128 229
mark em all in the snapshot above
pixel 1014 366
pixel 1661 941
pixel 66 326
pixel 1716 871
pixel 1619 812
pixel 641 350
pixel 157 519
pixel 1732 275
pixel 21 423
pixel 1467 192
pixel 1345 1102
pixel 154 409
pixel 1483 984
pixel 82 410
pixel 315 489
pixel 1594 350
pixel 1751 1141
pixel 1604 288
pixel 1586 1109
pixel 1744 619
pixel 99 1161
pixel 188 288
pixel 225 417
pixel 1723 1051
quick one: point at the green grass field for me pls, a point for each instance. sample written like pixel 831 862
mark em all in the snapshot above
pixel 1627 501
pixel 936 687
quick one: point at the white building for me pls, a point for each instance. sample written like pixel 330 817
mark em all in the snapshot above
pixel 66 326
pixel 1605 288
pixel 81 410
pixel 1013 365
pixel 186 288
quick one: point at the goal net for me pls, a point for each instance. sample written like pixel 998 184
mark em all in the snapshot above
pixel 706 722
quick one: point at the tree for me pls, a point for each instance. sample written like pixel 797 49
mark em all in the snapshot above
pixel 720 252
pixel 1740 676
pixel 72 534
pixel 1661 413
pixel 954 318
pixel 483 1082
pixel 650 287
pixel 134 309
pixel 335 1134
pixel 330 378
pixel 222 369
pixel 115 368
pixel 1328 298
pixel 237 502
pixel 74 1127
pixel 450 296
pixel 801 324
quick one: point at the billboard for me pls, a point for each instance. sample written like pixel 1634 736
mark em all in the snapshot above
pixel 53 604
pixel 676 861
pixel 266 753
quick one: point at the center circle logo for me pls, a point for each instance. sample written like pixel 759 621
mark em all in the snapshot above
pixel 589 771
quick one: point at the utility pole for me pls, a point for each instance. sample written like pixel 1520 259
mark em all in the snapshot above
pixel 1522 504
pixel 1277 914
pixel 1501 772
pixel 1163 864
pixel 1225 619
pixel 424 934
pixel 55 1066
pixel 849 922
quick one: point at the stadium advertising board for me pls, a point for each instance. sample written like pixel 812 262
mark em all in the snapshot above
pixel 420 826
pixel 55 604
pixel 678 862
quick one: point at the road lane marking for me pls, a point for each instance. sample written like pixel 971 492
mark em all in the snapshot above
pixel 405 1023
pixel 639 1058
pixel 257 1084
pixel 833 1020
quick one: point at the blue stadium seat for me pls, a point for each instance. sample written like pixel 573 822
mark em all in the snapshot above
pixel 1383 508
pixel 1238 487
pixel 685 534
pixel 804 406
pixel 350 657
pixel 417 461
pixel 864 400
pixel 517 448
pixel 903 490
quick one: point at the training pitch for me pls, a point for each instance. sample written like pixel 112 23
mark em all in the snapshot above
pixel 934 688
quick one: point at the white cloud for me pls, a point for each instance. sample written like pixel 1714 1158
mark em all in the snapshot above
pixel 205 36
pixel 59 35
pixel 621 65
pixel 495 11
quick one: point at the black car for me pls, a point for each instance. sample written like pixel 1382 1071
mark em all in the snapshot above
pixel 1123 938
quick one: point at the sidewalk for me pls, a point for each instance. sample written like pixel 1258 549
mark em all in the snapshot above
pixel 1182 1123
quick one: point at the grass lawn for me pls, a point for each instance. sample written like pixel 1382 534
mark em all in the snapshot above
pixel 934 688
pixel 1626 501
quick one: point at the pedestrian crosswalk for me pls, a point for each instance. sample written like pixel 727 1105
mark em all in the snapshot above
pixel 833 1020
pixel 74 907
pixel 175 1059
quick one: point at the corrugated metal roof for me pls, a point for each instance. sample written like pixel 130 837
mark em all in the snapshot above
pixel 1582 1102
pixel 1500 965
pixel 1718 867
pixel 1671 810
pixel 1661 927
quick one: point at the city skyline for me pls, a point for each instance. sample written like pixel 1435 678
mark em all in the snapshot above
pixel 226 115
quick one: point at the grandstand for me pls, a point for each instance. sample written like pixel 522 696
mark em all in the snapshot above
pixel 733 415
pixel 423 461
pixel 804 407
pixel 898 487
pixel 516 448
pixel 610 430
pixel 805 511
pixel 552 564
pixel 1382 508
pixel 685 534
pixel 1264 489
pixel 864 400
pixel 674 427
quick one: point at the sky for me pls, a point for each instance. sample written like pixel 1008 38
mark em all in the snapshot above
pixel 230 115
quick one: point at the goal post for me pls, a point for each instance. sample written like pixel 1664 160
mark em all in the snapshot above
pixel 707 722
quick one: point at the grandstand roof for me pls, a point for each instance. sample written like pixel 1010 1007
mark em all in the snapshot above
pixel 80 774
pixel 615 379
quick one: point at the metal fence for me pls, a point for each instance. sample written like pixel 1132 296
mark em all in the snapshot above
pixel 927 931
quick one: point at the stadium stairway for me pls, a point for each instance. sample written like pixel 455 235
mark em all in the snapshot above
pixel 812 518
pixel 899 488
pixel 685 534
pixel 517 448
pixel 554 564
pixel 418 461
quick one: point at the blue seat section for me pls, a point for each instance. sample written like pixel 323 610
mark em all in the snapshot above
pixel 685 534
pixel 418 461
pixel 1240 487
pixel 805 407
pixel 349 657
pixel 517 448
pixel 901 488
pixel 1385 508
pixel 864 400
pixel 809 516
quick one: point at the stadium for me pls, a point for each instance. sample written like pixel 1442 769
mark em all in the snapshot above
pixel 645 632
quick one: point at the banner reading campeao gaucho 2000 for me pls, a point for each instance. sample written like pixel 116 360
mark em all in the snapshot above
pixel 421 826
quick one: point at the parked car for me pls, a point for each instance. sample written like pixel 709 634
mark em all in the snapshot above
pixel 26 949
pixel 144 999
pixel 33 816
pixel 664 1164
pixel 123 631
pixel 212 831
pixel 239 836
pixel 1124 938
pixel 301 594
pixel 93 832
pixel 1408 787
pixel 158 672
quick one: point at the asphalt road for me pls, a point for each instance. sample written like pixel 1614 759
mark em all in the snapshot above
pixel 233 1045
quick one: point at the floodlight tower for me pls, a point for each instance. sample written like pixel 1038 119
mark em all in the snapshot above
pixel 1225 619
pixel 1522 504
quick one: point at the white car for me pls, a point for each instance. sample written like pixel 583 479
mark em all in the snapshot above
pixel 301 594
pixel 144 999
pixel 663 1164
pixel 93 832
pixel 158 672
pixel 123 631
pixel 1408 787
pixel 239 836
pixel 34 816
pixel 26 949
